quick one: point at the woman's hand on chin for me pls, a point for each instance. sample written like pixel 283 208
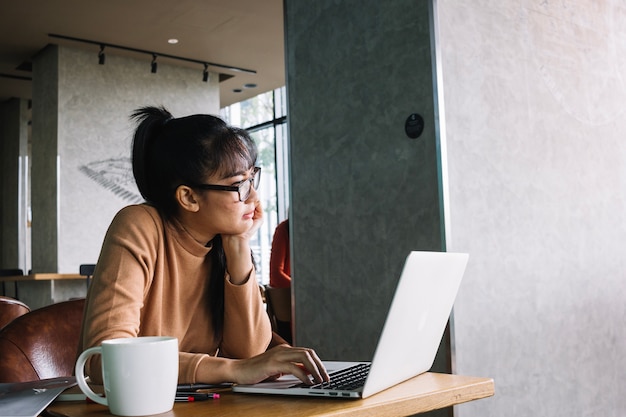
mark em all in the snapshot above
pixel 237 248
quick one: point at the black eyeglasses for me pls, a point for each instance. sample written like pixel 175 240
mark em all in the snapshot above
pixel 243 188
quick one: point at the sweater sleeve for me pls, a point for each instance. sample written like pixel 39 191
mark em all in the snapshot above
pixel 247 329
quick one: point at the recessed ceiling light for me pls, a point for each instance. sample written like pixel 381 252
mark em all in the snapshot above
pixel 249 85
pixel 237 90
pixel 172 41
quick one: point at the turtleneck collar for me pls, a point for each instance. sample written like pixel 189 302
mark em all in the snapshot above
pixel 185 239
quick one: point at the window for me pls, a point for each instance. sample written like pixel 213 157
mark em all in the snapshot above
pixel 265 117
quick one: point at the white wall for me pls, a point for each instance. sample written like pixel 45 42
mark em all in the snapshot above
pixel 535 102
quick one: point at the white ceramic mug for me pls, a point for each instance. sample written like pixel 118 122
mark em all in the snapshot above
pixel 140 374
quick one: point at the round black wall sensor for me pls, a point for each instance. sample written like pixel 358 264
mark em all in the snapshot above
pixel 414 126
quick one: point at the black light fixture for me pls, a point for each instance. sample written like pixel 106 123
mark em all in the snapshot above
pixel 205 73
pixel 153 66
pixel 101 56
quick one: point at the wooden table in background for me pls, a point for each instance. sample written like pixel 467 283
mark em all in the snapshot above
pixel 41 276
pixel 38 276
pixel 429 391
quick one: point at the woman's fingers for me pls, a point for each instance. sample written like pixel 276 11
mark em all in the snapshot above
pixel 258 217
pixel 303 363
pixel 315 367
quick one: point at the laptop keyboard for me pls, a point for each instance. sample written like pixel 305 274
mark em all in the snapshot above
pixel 344 379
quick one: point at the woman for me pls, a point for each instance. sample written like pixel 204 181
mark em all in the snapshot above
pixel 181 264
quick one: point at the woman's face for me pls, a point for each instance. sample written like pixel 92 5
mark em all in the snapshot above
pixel 221 212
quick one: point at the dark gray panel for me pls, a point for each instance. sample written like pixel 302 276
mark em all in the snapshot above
pixel 363 193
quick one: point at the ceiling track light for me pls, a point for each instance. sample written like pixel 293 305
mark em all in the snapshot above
pixel 101 56
pixel 153 65
pixel 205 73
pixel 143 51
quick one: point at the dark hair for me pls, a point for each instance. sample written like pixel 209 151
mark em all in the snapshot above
pixel 168 152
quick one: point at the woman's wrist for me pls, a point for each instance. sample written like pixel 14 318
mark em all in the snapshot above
pixel 238 259
pixel 215 370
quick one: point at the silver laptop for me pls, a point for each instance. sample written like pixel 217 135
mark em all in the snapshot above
pixel 29 399
pixel 408 342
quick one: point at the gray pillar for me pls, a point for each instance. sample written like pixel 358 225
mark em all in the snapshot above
pixel 44 151
pixel 14 116
pixel 364 194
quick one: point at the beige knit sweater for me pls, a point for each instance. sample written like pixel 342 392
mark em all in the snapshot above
pixel 152 279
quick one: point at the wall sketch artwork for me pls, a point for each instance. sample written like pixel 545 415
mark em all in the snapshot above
pixel 114 174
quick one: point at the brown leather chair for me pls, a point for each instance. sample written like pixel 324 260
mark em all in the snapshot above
pixel 10 309
pixel 41 344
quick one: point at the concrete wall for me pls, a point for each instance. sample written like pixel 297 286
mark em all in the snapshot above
pixel 535 104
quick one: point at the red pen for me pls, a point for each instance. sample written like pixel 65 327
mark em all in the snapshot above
pixel 195 396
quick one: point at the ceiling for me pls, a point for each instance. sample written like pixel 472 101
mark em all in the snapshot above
pixel 240 33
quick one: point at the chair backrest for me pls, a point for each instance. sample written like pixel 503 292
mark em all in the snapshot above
pixel 278 303
pixel 86 269
pixel 42 343
pixel 10 309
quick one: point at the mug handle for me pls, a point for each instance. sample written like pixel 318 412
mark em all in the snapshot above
pixel 80 375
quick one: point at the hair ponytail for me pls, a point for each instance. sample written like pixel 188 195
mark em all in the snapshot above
pixel 150 123
pixel 216 286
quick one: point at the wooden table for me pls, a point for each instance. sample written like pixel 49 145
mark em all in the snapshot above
pixel 38 276
pixel 42 276
pixel 429 391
